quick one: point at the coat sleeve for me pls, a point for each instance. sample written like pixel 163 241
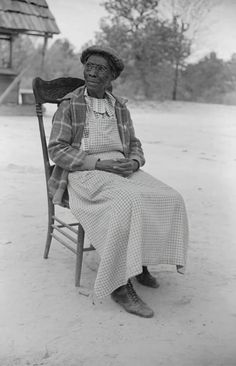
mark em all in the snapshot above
pixel 61 148
pixel 136 151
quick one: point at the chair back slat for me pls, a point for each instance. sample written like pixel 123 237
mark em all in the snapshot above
pixel 51 91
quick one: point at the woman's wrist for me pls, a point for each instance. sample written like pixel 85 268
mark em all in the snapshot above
pixel 136 167
pixel 97 165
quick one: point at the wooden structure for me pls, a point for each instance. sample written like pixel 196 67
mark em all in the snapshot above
pixel 70 235
pixel 31 17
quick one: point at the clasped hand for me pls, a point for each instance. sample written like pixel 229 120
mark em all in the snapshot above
pixel 123 167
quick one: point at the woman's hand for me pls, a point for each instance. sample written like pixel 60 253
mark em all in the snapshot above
pixel 123 167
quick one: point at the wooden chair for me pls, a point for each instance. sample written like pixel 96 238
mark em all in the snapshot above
pixel 70 235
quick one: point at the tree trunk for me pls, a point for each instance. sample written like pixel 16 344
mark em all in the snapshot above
pixel 176 80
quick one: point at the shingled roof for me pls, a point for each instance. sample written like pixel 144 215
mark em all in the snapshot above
pixel 27 16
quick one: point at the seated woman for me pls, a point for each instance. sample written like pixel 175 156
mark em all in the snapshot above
pixel 131 218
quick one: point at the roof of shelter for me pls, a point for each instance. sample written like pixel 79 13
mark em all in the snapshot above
pixel 27 16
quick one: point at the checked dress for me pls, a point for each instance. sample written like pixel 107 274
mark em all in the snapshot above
pixel 132 221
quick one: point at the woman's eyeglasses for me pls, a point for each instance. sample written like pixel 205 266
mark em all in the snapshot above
pixel 100 68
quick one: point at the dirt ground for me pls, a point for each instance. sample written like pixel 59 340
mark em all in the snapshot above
pixel 45 320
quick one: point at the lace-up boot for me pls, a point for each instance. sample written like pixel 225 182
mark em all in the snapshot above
pixel 146 279
pixel 131 302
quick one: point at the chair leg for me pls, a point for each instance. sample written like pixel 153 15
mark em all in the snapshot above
pixel 79 255
pixel 51 211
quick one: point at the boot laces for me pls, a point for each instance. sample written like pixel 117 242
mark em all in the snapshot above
pixel 132 292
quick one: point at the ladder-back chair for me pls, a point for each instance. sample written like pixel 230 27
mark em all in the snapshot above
pixel 70 235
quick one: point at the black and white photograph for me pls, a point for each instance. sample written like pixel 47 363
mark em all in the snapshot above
pixel 118 175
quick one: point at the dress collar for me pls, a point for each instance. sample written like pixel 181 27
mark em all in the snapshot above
pixel 102 106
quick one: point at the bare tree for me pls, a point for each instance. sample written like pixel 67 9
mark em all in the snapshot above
pixel 134 13
pixel 146 43
pixel 187 17
pixel 190 12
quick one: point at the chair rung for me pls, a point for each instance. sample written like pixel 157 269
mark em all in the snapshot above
pixel 64 243
pixel 73 224
pixel 88 249
pixel 66 225
pixel 64 233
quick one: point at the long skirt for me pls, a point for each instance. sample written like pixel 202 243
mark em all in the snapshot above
pixel 132 222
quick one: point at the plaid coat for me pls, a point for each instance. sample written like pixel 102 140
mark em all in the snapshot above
pixel 65 141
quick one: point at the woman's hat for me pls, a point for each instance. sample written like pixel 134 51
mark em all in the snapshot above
pixel 107 52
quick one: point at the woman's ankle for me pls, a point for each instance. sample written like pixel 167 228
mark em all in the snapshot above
pixel 145 269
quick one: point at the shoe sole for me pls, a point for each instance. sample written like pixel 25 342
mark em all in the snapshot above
pixel 133 312
pixel 147 284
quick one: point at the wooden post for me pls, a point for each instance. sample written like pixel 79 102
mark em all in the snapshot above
pixel 11 51
pixel 44 51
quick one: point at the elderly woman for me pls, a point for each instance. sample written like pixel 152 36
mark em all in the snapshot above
pixel 131 218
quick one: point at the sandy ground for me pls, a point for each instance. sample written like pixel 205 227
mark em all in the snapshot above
pixel 45 320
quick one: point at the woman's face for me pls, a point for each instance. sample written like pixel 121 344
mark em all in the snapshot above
pixel 97 75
